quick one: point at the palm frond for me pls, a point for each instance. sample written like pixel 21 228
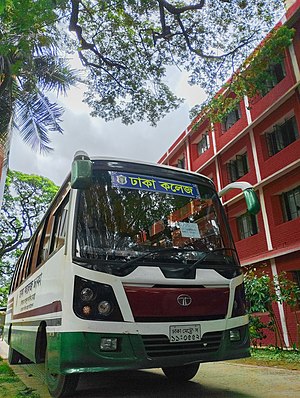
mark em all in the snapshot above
pixel 53 73
pixel 35 117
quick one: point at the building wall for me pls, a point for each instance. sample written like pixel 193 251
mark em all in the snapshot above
pixel 276 245
pixel 284 234
pixel 269 165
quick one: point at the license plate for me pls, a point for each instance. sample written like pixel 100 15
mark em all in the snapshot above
pixel 184 333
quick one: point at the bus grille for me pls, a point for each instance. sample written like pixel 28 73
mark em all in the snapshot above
pixel 159 345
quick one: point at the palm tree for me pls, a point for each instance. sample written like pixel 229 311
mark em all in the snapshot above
pixel 30 67
pixel 23 102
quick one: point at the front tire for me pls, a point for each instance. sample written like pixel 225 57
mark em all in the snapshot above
pixel 60 385
pixel 182 373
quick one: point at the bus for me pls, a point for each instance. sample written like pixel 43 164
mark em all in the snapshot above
pixel 133 266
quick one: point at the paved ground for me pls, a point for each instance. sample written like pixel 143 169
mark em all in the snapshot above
pixel 214 380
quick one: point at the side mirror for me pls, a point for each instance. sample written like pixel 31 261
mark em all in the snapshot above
pixel 252 201
pixel 81 172
pixel 251 198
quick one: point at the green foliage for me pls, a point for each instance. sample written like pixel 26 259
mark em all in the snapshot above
pixel 262 292
pixel 26 199
pixel 128 58
pixel 4 290
pixel 274 357
pixel 250 79
pixel 11 386
pixel 256 329
pixel 274 354
pixel 30 65
pixel 258 294
pixel 6 371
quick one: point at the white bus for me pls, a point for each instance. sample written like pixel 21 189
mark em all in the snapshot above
pixel 132 267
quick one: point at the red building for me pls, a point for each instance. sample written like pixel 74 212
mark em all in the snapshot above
pixel 259 144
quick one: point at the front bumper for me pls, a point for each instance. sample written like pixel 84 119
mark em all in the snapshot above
pixel 80 352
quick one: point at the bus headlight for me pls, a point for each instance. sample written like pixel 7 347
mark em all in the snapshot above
pixel 95 301
pixel 87 294
pixel 105 308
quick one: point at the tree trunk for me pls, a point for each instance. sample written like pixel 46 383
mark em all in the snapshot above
pixel 6 113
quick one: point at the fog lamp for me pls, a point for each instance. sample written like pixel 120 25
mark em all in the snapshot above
pixel 109 344
pixel 86 310
pixel 234 335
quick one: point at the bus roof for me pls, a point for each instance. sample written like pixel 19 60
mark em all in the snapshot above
pixel 160 166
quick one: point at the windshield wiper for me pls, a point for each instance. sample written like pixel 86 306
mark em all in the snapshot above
pixel 111 266
pixel 193 266
pixel 163 250
pixel 159 251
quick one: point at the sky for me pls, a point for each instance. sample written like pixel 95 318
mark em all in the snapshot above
pixel 139 141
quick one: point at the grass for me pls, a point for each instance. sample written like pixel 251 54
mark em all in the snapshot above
pixel 287 359
pixel 11 386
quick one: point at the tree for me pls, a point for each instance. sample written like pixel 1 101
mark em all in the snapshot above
pixel 262 292
pixel 26 199
pixel 30 66
pixel 127 46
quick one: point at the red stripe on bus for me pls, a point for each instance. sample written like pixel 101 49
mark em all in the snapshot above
pixel 45 309
pixel 165 302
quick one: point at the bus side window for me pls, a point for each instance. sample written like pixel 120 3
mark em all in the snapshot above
pixel 35 255
pixel 21 269
pixel 14 284
pixel 60 226
pixel 27 260
pixel 45 241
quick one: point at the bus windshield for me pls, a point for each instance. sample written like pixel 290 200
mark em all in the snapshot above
pixel 125 220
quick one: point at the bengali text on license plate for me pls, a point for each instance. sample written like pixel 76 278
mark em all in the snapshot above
pixel 184 333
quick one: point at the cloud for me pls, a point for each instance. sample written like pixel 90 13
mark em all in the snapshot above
pixel 99 138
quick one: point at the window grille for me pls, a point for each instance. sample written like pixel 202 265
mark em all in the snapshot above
pixel 181 163
pixel 247 225
pixel 231 118
pixel 238 167
pixel 203 144
pixel 291 204
pixel 282 136
pixel 276 73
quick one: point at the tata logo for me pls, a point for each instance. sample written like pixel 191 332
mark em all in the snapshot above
pixel 184 300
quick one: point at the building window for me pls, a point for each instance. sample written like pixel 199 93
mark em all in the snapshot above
pixel 282 136
pixel 203 144
pixel 291 204
pixel 231 118
pixel 296 275
pixel 181 163
pixel 276 73
pixel 238 167
pixel 247 225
